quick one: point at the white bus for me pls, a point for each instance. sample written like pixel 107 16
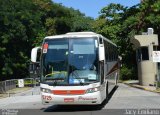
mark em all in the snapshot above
pixel 77 68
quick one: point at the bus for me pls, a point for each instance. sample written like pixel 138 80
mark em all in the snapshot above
pixel 78 68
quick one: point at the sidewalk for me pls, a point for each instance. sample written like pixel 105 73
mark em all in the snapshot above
pixel 21 92
pixel 135 84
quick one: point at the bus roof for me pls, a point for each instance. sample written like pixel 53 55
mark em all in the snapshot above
pixel 74 35
pixel 79 34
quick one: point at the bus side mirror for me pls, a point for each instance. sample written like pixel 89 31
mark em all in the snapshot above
pixel 101 52
pixel 34 54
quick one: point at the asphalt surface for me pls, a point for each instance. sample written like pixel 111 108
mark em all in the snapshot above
pixel 123 100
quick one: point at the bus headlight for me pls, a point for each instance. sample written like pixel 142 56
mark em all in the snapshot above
pixel 92 90
pixel 46 90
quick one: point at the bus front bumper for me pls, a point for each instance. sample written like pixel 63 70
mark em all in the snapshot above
pixel 86 99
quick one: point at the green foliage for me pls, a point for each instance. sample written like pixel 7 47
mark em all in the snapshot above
pixel 158 84
pixel 113 12
pixel 125 73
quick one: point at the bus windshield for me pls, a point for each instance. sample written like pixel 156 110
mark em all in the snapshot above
pixel 70 61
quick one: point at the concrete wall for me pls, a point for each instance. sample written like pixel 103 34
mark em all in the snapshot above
pixel 145 40
pixel 146 72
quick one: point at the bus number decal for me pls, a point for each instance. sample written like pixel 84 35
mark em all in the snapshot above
pixel 48 98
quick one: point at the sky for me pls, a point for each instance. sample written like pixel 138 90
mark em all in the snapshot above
pixel 92 7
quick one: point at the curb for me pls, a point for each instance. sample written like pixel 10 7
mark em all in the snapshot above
pixel 142 88
pixel 10 94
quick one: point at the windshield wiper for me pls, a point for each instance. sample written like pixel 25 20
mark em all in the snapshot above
pixel 54 80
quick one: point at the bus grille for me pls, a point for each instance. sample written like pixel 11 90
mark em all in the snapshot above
pixel 68 92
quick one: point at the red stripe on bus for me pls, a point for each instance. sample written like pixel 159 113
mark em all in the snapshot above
pixel 68 92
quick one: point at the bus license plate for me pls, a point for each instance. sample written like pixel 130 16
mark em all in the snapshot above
pixel 68 100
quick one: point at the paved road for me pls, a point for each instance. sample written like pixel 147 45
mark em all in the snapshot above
pixel 126 97
pixel 33 91
pixel 121 101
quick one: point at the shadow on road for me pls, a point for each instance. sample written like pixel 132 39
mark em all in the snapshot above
pixel 109 97
pixel 76 108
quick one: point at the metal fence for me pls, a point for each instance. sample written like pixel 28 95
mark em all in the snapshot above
pixel 7 85
pixel 13 83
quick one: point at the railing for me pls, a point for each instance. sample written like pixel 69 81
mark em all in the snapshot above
pixel 13 83
pixel 7 85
